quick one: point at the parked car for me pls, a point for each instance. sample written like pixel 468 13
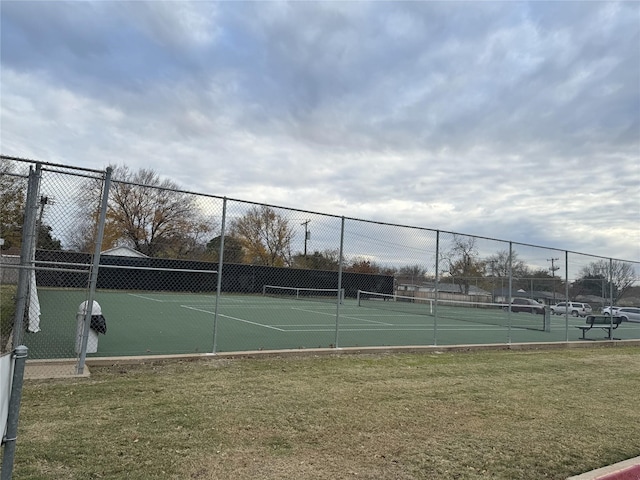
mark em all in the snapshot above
pixel 525 305
pixel 628 314
pixel 608 310
pixel 574 308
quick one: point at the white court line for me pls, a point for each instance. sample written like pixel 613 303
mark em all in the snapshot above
pixel 422 329
pixel 395 314
pixel 252 323
pixel 146 298
pixel 364 328
pixel 399 328
pixel 299 309
pixel 198 308
pixel 224 298
pixel 260 307
pixel 263 307
pixel 341 316
pixel 234 318
pixel 285 328
pixel 282 327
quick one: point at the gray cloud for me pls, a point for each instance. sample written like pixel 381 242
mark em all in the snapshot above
pixel 511 120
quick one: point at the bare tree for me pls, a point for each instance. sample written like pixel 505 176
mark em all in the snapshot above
pixel 498 265
pixel 463 262
pixel 622 275
pixel 145 213
pixel 328 259
pixel 266 236
pixel 233 249
pixel 12 203
pixel 82 237
pixel 413 270
pixel 364 265
pixel 411 274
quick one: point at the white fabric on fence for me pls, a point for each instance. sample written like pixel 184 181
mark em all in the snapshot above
pixel 34 305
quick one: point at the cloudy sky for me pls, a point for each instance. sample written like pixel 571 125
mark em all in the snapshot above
pixel 516 121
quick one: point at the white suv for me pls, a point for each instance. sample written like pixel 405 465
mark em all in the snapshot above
pixel 574 308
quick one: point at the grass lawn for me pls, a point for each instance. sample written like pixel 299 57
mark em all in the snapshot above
pixel 476 415
pixel 7 309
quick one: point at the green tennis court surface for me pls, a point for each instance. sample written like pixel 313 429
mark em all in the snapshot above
pixel 140 323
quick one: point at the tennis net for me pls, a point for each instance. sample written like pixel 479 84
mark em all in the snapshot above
pixel 396 303
pixel 486 313
pixel 300 293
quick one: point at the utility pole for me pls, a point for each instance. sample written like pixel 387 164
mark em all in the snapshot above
pixel 553 276
pixel 44 200
pixel 307 236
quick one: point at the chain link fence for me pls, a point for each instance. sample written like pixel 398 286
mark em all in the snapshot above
pixel 121 263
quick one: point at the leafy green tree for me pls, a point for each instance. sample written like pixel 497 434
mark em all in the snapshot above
pixel 46 240
pixel 12 209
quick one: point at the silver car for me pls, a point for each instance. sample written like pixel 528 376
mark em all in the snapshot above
pixel 628 314
pixel 574 308
pixel 609 310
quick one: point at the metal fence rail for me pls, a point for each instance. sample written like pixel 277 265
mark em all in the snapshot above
pixel 174 271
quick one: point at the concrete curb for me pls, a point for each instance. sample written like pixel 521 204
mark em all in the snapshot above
pixel 60 368
pixel 627 470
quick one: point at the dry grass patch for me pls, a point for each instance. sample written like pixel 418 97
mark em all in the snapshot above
pixel 7 310
pixel 501 415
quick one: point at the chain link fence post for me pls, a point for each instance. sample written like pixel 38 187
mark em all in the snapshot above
pixel 9 441
pixel 339 286
pixel 437 284
pixel 27 250
pixel 94 271
pixel 219 279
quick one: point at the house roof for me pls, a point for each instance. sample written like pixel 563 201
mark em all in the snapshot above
pixel 504 292
pixel 123 251
pixel 452 288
